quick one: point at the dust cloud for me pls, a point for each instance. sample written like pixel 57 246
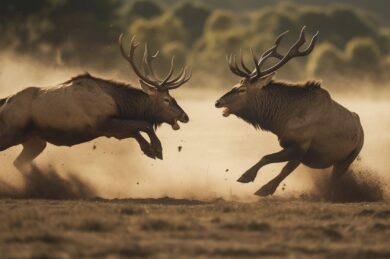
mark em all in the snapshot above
pixel 48 184
pixel 357 185
pixel 202 160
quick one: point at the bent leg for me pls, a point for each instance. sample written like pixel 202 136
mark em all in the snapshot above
pixel 122 129
pixel 31 149
pixel 287 154
pixel 270 187
pixel 145 146
pixel 339 169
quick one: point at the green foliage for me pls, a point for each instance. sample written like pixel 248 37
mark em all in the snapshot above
pixel 274 20
pixel 222 36
pixel 327 61
pixel 361 60
pixel 220 21
pixel 363 54
pixel 338 25
pixel 193 17
pixel 158 31
pixel 177 50
pixel 69 32
pixel 165 33
pixel 144 9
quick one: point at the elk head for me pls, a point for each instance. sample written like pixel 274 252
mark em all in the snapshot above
pixel 158 90
pixel 253 82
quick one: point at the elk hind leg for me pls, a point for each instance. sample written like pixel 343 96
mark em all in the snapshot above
pixel 339 169
pixel 31 149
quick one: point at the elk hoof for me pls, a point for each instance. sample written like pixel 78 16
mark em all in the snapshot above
pixel 148 151
pixel 248 176
pixel 266 190
pixel 159 154
pixel 157 150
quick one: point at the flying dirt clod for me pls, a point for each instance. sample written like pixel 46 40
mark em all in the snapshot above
pixel 312 128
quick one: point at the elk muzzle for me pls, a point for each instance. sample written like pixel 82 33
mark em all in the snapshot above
pixel 218 104
pixel 183 118
pixel 222 104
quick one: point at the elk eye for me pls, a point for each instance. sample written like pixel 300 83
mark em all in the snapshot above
pixel 167 100
pixel 241 90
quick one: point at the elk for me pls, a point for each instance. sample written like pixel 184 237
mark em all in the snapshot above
pixel 86 107
pixel 312 128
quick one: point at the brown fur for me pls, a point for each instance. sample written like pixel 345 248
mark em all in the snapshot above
pixel 269 111
pixel 84 108
pixel 311 128
pixel 132 102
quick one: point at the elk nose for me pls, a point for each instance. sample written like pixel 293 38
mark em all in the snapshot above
pixel 185 118
pixel 218 104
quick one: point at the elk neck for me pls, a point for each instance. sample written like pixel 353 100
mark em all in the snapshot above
pixel 271 107
pixel 132 103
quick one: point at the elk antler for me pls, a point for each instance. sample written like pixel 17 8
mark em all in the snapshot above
pixel 272 52
pixel 149 75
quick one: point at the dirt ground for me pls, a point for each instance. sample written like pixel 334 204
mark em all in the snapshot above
pixel 171 228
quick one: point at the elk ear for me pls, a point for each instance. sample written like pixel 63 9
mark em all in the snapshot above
pixel 148 89
pixel 265 80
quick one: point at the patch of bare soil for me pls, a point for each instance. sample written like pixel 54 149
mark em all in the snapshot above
pixel 163 228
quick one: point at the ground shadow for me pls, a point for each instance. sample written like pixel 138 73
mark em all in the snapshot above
pixel 48 184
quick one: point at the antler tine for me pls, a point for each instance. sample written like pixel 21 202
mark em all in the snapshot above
pixel 170 73
pixel 273 52
pixel 129 57
pixel 166 83
pixel 274 49
pixel 311 46
pixel 147 63
pixel 229 60
pixel 233 66
pixel 292 52
pixel 177 77
pixel 255 60
pixel 242 63
pixel 280 37
pixel 182 80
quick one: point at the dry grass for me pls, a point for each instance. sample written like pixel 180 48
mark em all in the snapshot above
pixel 179 228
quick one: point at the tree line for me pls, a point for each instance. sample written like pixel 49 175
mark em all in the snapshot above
pixel 84 33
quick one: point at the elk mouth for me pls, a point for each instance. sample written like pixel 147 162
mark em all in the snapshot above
pixel 175 125
pixel 226 112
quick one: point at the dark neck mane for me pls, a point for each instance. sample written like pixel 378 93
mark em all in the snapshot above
pixel 132 102
pixel 269 109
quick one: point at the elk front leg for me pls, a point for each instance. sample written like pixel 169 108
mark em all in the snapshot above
pixel 270 187
pixel 155 143
pixel 122 129
pixel 144 145
pixel 287 154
